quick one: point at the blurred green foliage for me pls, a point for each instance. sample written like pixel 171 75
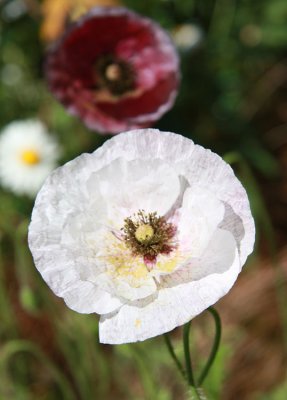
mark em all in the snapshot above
pixel 232 87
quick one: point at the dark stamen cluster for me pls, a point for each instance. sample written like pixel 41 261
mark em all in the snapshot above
pixel 123 82
pixel 160 242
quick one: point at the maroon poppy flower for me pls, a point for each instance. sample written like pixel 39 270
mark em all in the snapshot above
pixel 115 70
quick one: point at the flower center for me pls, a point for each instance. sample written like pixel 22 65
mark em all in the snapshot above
pixel 30 157
pixel 115 74
pixel 144 233
pixel 148 235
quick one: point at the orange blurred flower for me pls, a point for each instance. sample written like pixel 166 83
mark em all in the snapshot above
pixel 57 12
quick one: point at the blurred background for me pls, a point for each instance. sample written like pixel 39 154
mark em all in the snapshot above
pixel 232 100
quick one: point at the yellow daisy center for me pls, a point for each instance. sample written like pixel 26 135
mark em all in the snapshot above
pixel 144 232
pixel 30 157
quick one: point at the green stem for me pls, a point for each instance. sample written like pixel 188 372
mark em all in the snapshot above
pixel 173 355
pixel 195 393
pixel 186 348
pixel 215 345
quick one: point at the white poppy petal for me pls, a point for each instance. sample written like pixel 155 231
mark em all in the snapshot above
pixel 174 306
pixel 198 165
pixel 216 259
pixel 124 185
pixel 219 255
pixel 127 292
pixel 87 298
pixel 200 216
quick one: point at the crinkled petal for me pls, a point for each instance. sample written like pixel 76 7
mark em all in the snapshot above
pixel 129 186
pixel 74 227
pixel 200 216
pixel 144 289
pixel 58 236
pixel 176 305
pixel 124 274
pixel 216 259
pixel 200 167
pixel 87 298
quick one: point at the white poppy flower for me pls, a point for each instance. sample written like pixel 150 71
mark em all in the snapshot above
pixel 27 156
pixel 148 231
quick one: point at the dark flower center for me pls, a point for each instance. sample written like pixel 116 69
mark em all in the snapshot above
pixel 115 74
pixel 149 235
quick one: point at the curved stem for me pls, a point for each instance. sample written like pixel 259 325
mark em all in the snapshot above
pixel 215 345
pixel 186 348
pixel 173 355
pixel 195 393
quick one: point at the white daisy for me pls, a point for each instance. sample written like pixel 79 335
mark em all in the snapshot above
pixel 147 231
pixel 27 156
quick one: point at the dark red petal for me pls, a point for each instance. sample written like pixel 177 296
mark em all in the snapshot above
pixel 124 34
pixel 146 104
